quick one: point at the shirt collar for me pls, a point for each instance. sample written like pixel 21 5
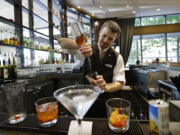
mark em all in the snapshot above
pixel 105 50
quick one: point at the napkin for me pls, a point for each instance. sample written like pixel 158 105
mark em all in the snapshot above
pixel 86 128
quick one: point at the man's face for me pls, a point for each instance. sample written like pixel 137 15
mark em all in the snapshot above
pixel 106 37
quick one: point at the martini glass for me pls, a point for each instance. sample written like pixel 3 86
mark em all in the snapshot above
pixel 78 99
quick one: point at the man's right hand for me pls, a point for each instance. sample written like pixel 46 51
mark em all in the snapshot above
pixel 86 50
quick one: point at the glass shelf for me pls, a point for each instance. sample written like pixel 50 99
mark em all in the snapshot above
pixel 8 21
pixel 9 45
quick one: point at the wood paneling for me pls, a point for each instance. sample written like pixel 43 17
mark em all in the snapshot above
pixel 166 28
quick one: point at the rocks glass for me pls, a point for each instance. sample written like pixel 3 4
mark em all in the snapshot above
pixel 15 101
pixel 47 111
pixel 118 111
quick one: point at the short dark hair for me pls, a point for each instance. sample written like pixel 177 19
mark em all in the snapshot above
pixel 113 26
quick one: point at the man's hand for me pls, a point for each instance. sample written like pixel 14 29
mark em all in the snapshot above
pixel 107 87
pixel 100 82
pixel 86 50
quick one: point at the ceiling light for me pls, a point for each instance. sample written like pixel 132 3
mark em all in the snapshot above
pixel 158 9
pixel 97 11
pixel 100 6
pixel 73 9
pixel 133 12
pixel 119 9
pixel 144 7
pixel 78 6
pixel 96 23
pixel 127 6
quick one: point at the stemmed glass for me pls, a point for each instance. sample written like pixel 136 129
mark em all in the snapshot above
pixel 77 99
pixel 80 38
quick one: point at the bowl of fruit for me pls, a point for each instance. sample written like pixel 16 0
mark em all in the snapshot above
pixel 118 112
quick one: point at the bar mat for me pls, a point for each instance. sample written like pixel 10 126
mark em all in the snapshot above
pixel 100 126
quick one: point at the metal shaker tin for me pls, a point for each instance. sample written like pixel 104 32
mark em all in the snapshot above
pixel 159 117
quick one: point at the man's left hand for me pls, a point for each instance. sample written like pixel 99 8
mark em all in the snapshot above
pixel 100 82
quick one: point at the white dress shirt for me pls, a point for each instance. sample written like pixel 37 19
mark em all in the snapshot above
pixel 118 72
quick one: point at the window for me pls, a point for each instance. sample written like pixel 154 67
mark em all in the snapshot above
pixel 135 53
pixel 137 22
pixel 155 20
pixel 40 9
pixel 173 45
pixel 56 33
pixel 41 25
pixel 25 3
pixel 153 46
pixel 25 17
pixel 45 2
pixel 7 10
pixel 173 19
pixel 86 20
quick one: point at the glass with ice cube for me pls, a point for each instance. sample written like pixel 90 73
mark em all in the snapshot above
pixel 118 112
pixel 47 111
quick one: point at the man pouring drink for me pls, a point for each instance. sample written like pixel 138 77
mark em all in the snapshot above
pixel 104 60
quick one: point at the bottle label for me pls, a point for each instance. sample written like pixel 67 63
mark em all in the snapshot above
pixel 5 73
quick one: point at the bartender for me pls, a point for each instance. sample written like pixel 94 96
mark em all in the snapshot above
pixel 105 60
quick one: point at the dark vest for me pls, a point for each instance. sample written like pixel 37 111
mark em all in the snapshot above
pixel 104 67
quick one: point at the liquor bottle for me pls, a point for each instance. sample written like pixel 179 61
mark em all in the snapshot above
pixel 1 70
pixel 14 68
pixel 9 67
pixel 1 37
pixel 5 70
pixel 6 39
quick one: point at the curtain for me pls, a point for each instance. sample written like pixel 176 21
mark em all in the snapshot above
pixel 125 37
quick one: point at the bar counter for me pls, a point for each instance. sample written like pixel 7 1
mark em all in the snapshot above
pixel 100 126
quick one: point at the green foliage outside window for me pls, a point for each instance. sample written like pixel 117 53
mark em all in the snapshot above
pixel 152 20
pixel 137 22
pixel 173 19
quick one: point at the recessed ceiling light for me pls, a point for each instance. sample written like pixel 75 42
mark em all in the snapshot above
pixel 78 6
pixel 127 6
pixel 133 12
pixel 73 9
pixel 158 9
pixel 100 6
pixel 96 23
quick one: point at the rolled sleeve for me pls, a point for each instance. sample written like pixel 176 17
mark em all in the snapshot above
pixel 119 73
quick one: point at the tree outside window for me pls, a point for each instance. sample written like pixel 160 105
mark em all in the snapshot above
pixel 173 45
pixel 173 19
pixel 155 20
pixel 135 53
pixel 153 46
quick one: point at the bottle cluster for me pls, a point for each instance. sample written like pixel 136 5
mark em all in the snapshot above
pixel 8 68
